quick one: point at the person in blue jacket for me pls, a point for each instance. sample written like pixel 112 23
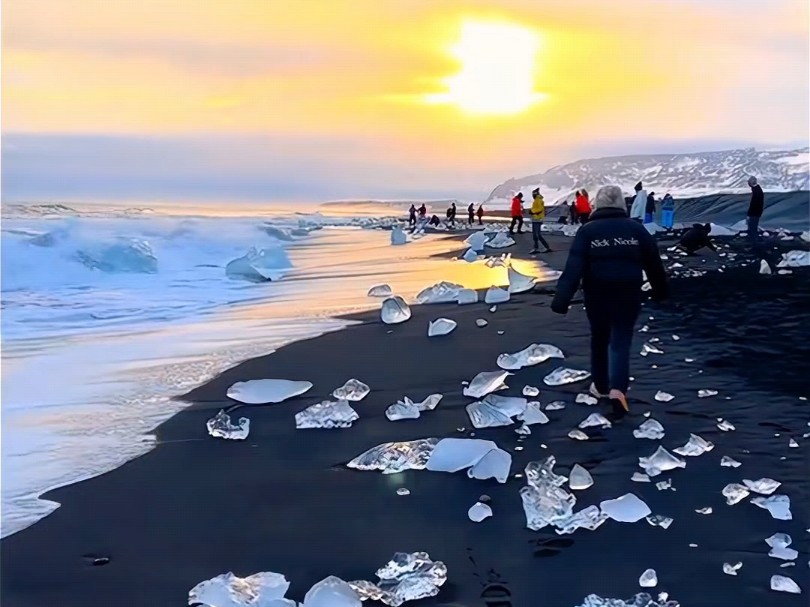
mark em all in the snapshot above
pixel 667 212
pixel 608 256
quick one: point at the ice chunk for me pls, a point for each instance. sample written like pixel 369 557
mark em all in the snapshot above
pixel 777 505
pixel 406 577
pixel 578 435
pixel 649 429
pixel 764 486
pixel 403 491
pixel 784 553
pixel 579 478
pixel 529 356
pixel 664 485
pixel 734 493
pixel 726 426
pixel 640 478
pixel 383 290
pixel 648 579
pixel 495 410
pixel 533 415
pixel 394 310
pixel 331 592
pixel 501 241
pixel 781 583
pixel 764 268
pixel 706 393
pixel 695 446
pixel 588 518
pixel 228 590
pixel 398 237
pixel 555 406
pixel 625 509
pixel 353 390
pixel 327 414
pixel 478 512
pixel 504 260
pixel 442 292
pixel 403 409
pixel 794 259
pixel 454 454
pixel 259 265
pixel 563 375
pixel 660 461
pixel 496 295
pixel 470 255
pixel 595 419
pixel 792 443
pixel 391 458
pixel 520 283
pixel 779 543
pixel 530 391
pixel 476 241
pixel 586 399
pixel 466 297
pixel 480 322
pixel 545 502
pixel 730 569
pixel 663 397
pixel 441 326
pixel 220 426
pixel 495 464
pixel 657 520
pixel 486 382
pixel 650 349
pixel 728 462
pixel 262 391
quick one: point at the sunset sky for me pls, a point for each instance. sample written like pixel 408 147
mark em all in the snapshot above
pixel 326 99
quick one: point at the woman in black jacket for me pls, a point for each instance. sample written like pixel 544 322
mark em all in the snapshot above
pixel 608 256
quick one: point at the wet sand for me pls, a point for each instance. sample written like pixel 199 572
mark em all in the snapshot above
pixel 283 500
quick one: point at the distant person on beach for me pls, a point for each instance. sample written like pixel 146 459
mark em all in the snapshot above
pixel 434 221
pixel 574 209
pixel 564 210
pixel 583 206
pixel 422 211
pixel 608 256
pixel 538 214
pixel 517 214
pixel 639 204
pixel 649 208
pixel 480 214
pixel 451 214
pixel 471 214
pixel 412 216
pixel 697 237
pixel 755 209
pixel 668 211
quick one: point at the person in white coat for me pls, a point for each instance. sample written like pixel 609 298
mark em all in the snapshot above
pixel 639 203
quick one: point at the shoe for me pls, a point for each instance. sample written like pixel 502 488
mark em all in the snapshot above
pixel 619 397
pixel 548 251
pixel 595 392
pixel 534 251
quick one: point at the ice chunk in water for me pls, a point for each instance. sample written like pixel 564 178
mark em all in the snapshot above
pixel 454 454
pixel 495 464
pixel 578 435
pixel 595 419
pixel 496 295
pixel 726 426
pixel 663 397
pixel 657 520
pixel 441 326
pixel 555 406
pixel 649 429
pixel 470 256
pixel 530 391
pixel 695 446
pixel 383 290
pixel 391 458
pixel 394 310
pixel 579 478
pixel 466 297
pixel 495 410
pixel 406 577
pixel 520 283
pixel 220 426
pixel 228 590
pixel 531 355
pixel 441 292
pixel 533 415
pixel 331 592
pixel 734 493
pixel 259 265
pixel 262 391
pixel 648 579
pixel 706 393
pixel 764 486
pixel 480 322
pixel 478 512
pixel 353 390
pixel 764 268
pixel 781 583
pixel 563 375
pixel 586 399
pixel 730 569
pixel 777 505
pixel 327 414
pixel 625 509
pixel 486 382
pixel 728 462
pixel 660 461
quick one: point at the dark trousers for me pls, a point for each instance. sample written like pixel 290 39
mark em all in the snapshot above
pixel 583 217
pixel 612 311
pixel 753 230
pixel 537 234
pixel 471 219
pixel 517 219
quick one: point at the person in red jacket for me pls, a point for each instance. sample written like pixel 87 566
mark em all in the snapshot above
pixel 517 214
pixel 583 207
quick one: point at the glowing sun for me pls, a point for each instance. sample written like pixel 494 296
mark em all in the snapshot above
pixel 498 66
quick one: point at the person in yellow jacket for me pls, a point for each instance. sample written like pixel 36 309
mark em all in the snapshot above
pixel 538 214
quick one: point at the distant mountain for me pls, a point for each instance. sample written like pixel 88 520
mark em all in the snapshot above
pixel 679 174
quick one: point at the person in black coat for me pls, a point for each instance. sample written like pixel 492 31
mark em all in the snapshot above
pixel 608 256
pixel 696 238
pixel 755 209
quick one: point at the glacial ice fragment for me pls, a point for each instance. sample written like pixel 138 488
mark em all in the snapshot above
pixel 779 543
pixel 220 426
pixel 353 390
pixel 651 429
pixel 563 375
pixel 579 478
pixel 726 426
pixel 734 493
pixel 470 255
pixel 763 486
pixel 394 310
pixel 530 391
pixel 706 510
pixel 794 259
pixel 496 464
pixel 730 569
pixel 764 268
pixel 586 399
pixel 262 391
pixel 480 322
pixel 500 241
pixel 228 590
pixel 728 462
pixel 327 414
pixel 476 241
pixel 695 446
pixel 664 485
pixel 478 512
pixel 441 292
pixel 555 406
pixel 260 265
pixel 529 356
pixel 331 592
pixel 520 283
pixel 454 454
pixel 394 457
pixel 590 518
pixel 402 409
pixel 663 397
pixel 466 297
pixel 660 461
pixel 403 491
pixel 496 295
pixel 625 509
pixel 578 435
pixel 640 478
pixel 792 443
pixel 648 579
pixel 545 502
pixel 524 430
pixel 777 505
pixel 494 410
pixel 706 393
pixel 398 237
pixel 486 382
pixel 781 583
pixel 595 420
pixel 406 577
pixel 441 326
pixel 648 348
pixel 657 520
pixel 533 415
pixel 383 290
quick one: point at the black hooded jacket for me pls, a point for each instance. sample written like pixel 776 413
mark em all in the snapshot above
pixel 608 253
pixel 757 201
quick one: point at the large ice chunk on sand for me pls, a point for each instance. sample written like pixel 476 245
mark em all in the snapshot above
pixel 501 240
pixel 625 509
pixel 220 426
pixel 495 464
pixel 794 259
pixel 441 326
pixel 394 310
pixel 454 454
pixel 520 283
pixel 390 458
pixel 332 592
pixel 486 382
pixel 545 502
pixel 496 295
pixel 660 461
pixel 125 255
pixel 327 414
pixel 562 375
pixel 441 292
pixel 408 409
pixel 406 577
pixel 228 590
pixel 353 390
pixel 383 290
pixel 398 237
pixel 470 256
pixel 495 410
pixel 260 265
pixel 476 241
pixel 529 356
pixel 467 296
pixel 262 391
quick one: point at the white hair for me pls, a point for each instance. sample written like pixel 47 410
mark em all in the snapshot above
pixel 609 196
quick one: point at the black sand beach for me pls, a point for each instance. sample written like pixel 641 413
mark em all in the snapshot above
pixel 283 501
